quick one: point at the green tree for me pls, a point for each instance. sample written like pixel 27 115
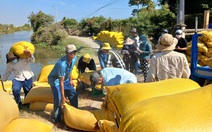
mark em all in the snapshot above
pixel 40 20
pixel 194 7
pixel 70 25
pixel 92 26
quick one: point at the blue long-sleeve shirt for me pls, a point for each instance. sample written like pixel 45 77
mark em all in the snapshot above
pixel 145 47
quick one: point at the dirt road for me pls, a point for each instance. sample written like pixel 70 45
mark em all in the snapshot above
pixel 88 40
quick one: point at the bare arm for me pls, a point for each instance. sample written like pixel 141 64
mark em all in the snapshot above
pixel 62 92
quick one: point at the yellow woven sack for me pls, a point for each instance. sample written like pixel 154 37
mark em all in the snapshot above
pixel 188 57
pixel 41 106
pixel 107 126
pixel 209 44
pixel 79 119
pixel 7 86
pixel 85 77
pixel 120 98
pixel 19 47
pixel 202 47
pixel 206 36
pixel 75 73
pixel 43 76
pixel 45 71
pixel 99 114
pixel 39 94
pixel 28 125
pixel 8 110
pixel 208 54
pixel 209 62
pixel 43 84
pixel 184 112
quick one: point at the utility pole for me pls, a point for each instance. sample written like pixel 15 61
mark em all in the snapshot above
pixel 181 12
pixel 55 16
pixel 180 16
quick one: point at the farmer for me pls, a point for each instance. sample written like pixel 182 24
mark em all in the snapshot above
pixel 86 61
pixel 129 55
pixel 167 63
pixel 112 76
pixel 181 46
pixel 109 58
pixel 61 83
pixel 22 72
pixel 134 52
pixel 145 50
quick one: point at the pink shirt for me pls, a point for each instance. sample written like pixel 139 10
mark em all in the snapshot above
pixel 21 69
pixel 168 64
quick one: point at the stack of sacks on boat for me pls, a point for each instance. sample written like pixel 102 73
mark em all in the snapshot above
pixel 119 99
pixel 10 119
pixel 40 97
pixel 204 46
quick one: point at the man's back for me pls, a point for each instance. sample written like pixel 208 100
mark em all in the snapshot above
pixel 169 64
pixel 115 76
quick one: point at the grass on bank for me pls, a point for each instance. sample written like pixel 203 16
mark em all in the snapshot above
pixel 57 51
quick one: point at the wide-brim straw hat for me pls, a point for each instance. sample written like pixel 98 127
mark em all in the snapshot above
pixel 167 42
pixel 133 30
pixel 11 56
pixel 128 41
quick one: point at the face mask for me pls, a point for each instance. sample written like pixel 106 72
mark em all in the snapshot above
pixel 15 61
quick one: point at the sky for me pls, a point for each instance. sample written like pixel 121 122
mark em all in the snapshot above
pixel 16 11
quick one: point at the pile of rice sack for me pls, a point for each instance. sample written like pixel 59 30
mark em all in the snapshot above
pixel 40 97
pixel 204 49
pixel 169 105
pixel 10 118
pixel 115 39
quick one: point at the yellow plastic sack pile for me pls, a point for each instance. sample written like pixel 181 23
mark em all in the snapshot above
pixel 40 98
pixel 183 112
pixel 45 71
pixel 204 48
pixel 115 39
pixel 119 100
pixel 19 47
pixel 121 97
pixel 11 122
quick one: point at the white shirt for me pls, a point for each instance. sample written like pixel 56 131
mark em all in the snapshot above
pixel 168 64
pixel 21 69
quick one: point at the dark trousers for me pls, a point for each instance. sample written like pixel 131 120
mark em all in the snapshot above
pixel 16 88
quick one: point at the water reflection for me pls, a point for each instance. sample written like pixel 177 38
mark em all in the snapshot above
pixel 6 41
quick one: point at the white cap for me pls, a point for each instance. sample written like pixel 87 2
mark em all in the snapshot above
pixel 179 31
pixel 70 48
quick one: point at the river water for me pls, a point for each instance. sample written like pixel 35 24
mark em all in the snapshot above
pixel 6 41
